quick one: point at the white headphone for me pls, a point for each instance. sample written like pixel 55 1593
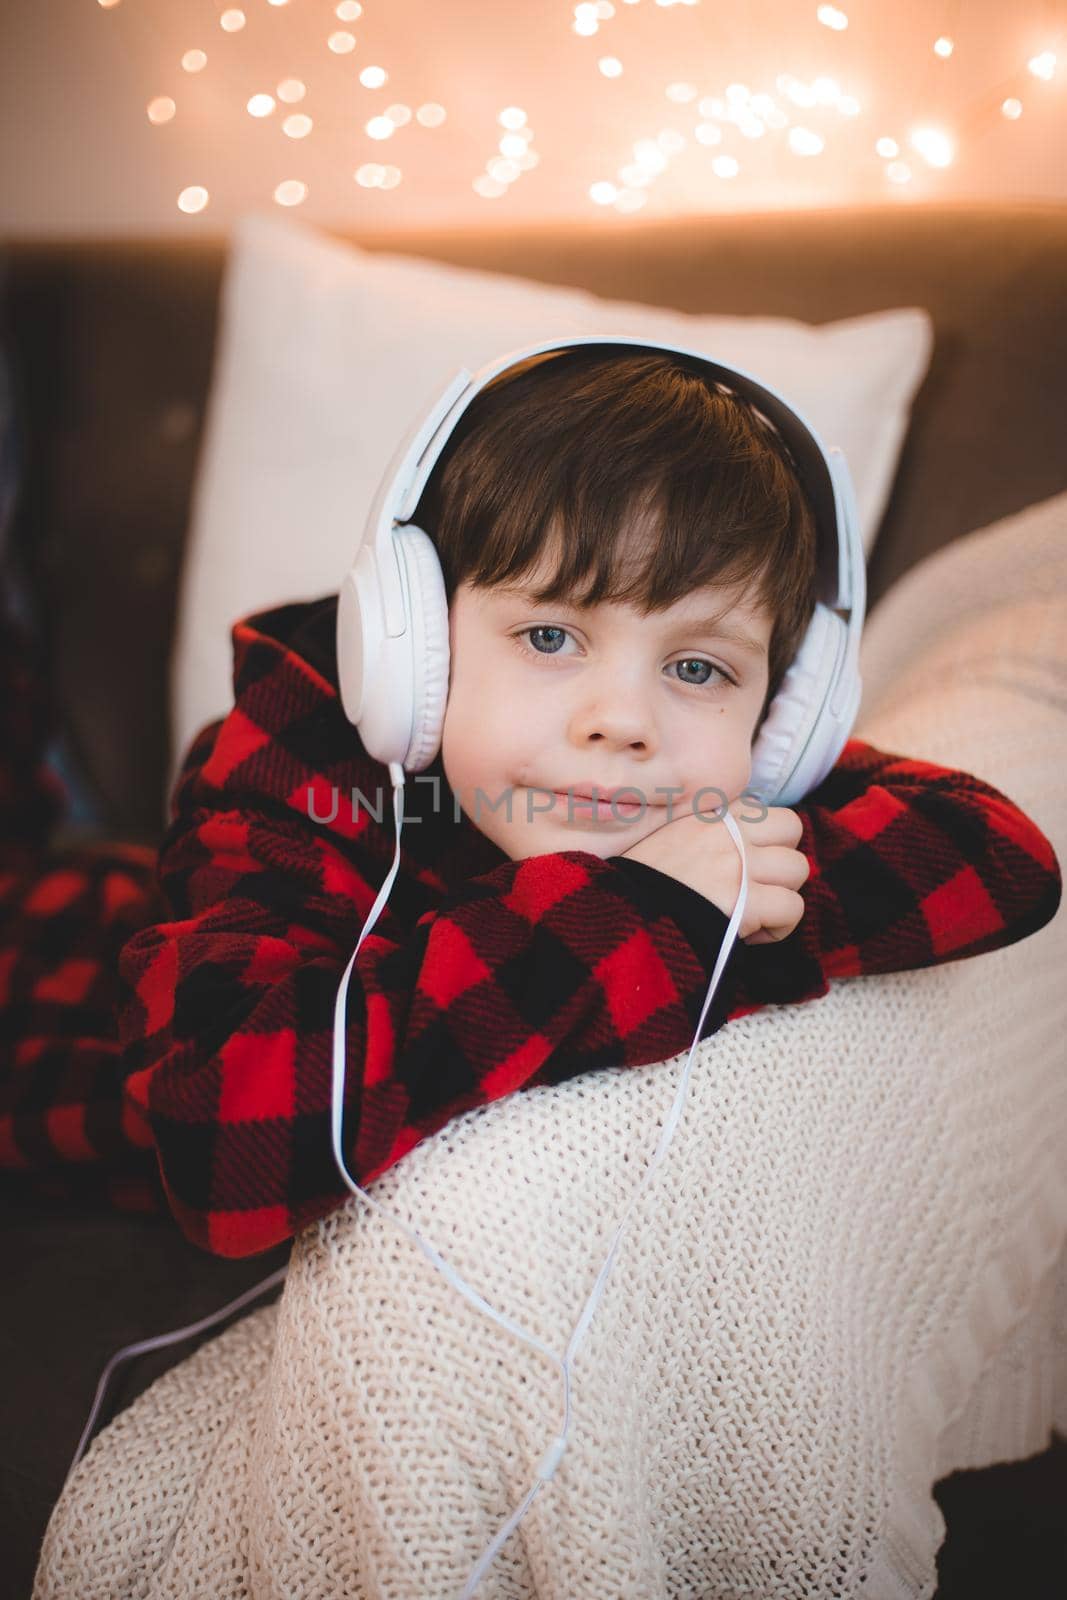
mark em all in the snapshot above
pixel 393 670
pixel 392 614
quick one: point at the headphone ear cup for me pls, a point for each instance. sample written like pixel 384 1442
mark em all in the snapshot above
pixel 428 618
pixel 790 755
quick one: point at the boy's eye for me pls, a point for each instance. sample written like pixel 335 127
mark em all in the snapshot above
pixel 553 646
pixel 708 668
pixel 547 640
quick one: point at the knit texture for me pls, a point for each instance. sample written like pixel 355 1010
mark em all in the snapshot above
pixel 816 1310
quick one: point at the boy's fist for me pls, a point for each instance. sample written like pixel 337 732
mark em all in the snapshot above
pixel 701 853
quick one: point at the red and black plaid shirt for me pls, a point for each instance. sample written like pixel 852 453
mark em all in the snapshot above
pixel 482 975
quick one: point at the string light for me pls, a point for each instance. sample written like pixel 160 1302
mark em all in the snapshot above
pixel 650 154
pixel 718 119
pixel 517 155
pixel 934 145
pixel 801 94
pixel 371 175
pixel 803 142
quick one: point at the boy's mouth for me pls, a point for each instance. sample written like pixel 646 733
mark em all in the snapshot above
pixel 608 805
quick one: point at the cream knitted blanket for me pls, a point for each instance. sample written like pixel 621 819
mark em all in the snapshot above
pixel 847 1280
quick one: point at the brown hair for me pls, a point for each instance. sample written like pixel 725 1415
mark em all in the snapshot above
pixel 570 448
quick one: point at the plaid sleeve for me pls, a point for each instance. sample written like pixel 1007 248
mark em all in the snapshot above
pixel 65 1136
pixel 527 973
pixel 912 864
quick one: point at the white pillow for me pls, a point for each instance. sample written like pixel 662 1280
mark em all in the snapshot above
pixel 326 355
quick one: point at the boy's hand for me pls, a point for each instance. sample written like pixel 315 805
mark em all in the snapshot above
pixel 701 854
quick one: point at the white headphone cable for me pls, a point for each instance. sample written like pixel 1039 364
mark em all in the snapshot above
pixel 554 1453
pixel 158 1343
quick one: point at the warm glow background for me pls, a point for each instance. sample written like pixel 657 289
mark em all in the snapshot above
pixel 79 156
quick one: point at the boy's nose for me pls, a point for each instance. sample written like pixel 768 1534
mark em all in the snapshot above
pixel 623 721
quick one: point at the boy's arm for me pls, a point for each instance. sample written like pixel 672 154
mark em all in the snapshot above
pixel 529 973
pixel 912 864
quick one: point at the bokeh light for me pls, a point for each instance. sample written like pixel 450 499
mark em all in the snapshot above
pixel 193 199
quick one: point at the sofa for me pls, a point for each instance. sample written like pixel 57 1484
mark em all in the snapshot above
pixel 113 346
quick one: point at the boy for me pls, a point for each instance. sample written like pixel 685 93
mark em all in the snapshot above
pixel 525 948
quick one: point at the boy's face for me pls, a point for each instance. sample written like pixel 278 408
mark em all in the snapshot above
pixel 543 698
